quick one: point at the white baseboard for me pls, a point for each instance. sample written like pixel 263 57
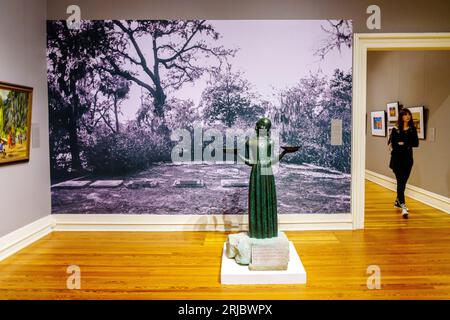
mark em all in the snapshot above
pixel 432 199
pixel 149 222
pixel 20 238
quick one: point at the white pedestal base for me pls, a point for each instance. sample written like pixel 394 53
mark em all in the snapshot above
pixel 232 273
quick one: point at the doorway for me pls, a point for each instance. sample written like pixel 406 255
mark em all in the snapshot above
pixel 363 43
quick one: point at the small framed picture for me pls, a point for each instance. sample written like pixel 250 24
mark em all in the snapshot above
pixel 392 111
pixel 378 123
pixel 418 119
pixel 389 128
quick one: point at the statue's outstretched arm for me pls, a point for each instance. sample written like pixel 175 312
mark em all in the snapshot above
pixel 274 160
pixel 244 159
pixel 240 156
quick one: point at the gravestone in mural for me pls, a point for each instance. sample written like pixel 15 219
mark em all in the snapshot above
pixel 263 248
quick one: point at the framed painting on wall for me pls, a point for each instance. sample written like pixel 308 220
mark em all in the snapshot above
pixel 15 122
pixel 378 123
pixel 392 111
pixel 418 119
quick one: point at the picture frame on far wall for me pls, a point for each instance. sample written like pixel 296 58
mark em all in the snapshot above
pixel 389 130
pixel 378 123
pixel 15 122
pixel 419 121
pixel 392 111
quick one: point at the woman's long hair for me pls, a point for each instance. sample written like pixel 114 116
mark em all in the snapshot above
pixel 404 111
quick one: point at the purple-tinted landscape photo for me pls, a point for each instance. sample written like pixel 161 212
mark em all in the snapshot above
pixel 119 89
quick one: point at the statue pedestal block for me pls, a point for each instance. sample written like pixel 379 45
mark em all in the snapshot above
pixel 233 273
pixel 266 254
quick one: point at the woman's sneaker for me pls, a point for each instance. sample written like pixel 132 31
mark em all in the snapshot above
pixel 404 211
pixel 397 204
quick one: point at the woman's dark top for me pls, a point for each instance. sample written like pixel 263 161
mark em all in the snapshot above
pixel 402 154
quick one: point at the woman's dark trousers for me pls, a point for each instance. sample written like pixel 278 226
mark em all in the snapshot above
pixel 402 175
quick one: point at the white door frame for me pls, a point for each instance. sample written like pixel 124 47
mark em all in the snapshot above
pixel 362 43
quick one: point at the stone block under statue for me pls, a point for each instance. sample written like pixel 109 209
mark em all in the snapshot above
pixel 248 260
pixel 259 254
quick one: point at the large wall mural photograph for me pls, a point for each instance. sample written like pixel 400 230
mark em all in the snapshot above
pixel 121 91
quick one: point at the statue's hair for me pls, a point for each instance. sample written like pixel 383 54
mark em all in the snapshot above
pixel 263 123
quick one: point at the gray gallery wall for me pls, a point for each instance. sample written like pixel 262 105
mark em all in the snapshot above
pixel 396 16
pixel 25 187
pixel 414 79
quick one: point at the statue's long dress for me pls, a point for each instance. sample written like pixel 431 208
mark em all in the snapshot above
pixel 262 200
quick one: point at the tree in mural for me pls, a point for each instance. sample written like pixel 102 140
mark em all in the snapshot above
pixel 91 69
pixel 71 81
pixel 298 111
pixel 304 118
pixel 337 105
pixel 181 114
pixel 116 89
pixel 172 61
pixel 229 97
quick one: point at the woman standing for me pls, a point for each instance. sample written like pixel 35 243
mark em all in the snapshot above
pixel 403 138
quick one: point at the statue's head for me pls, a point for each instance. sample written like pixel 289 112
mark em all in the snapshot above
pixel 263 124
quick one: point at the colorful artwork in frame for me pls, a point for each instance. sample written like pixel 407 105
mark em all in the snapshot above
pixel 392 111
pixel 378 123
pixel 15 122
pixel 418 119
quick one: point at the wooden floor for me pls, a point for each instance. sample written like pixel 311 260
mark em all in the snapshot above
pixel 413 256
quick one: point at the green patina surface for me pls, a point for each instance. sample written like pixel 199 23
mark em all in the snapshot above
pixel 262 197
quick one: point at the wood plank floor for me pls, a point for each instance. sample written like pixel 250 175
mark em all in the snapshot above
pixel 413 256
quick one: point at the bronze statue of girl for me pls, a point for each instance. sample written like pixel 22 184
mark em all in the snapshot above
pixel 262 196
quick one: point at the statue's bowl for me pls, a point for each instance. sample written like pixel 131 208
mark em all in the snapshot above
pixel 290 149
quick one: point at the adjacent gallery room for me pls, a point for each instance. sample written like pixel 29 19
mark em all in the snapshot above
pixel 235 150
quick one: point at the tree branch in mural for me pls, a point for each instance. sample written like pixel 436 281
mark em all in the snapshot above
pixel 178 58
pixel 340 34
